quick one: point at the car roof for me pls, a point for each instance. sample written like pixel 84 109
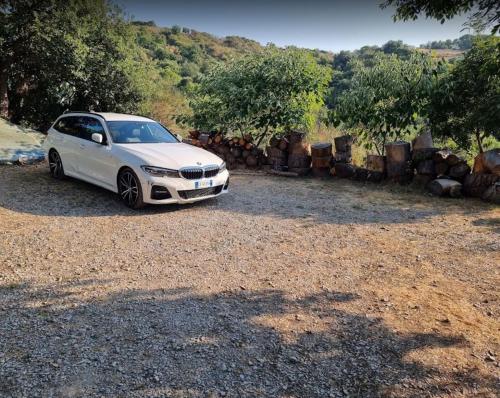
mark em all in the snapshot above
pixel 110 116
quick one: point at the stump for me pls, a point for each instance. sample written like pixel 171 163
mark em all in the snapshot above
pixel 299 161
pixel 398 161
pixel 476 184
pixel 492 194
pixel 299 148
pixel 321 163
pixel 321 150
pixel 441 187
pixel 275 153
pixel 343 157
pixel 375 163
pixel 459 170
pixel 488 162
pixel 442 168
pixel 426 167
pixel 343 143
pixel 422 141
pixel 344 170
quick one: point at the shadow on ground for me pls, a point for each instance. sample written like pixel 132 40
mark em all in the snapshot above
pixel 31 190
pixel 179 343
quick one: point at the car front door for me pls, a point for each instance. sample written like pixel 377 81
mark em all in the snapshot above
pixel 95 161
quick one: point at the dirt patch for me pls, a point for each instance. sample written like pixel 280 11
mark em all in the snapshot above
pixel 288 288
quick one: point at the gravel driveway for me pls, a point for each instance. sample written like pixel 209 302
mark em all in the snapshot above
pixel 282 288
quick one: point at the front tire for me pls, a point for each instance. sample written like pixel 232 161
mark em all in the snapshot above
pixel 129 188
pixel 55 165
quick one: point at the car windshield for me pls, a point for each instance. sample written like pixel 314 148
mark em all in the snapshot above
pixel 138 132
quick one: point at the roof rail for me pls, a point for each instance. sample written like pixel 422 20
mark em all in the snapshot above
pixel 88 112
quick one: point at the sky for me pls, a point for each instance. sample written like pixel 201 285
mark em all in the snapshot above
pixel 328 25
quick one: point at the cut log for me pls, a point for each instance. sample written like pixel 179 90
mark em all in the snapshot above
pixel 375 163
pixel 236 152
pixel 301 171
pixel 419 155
pixel 245 154
pixel 283 145
pixel 299 161
pixel 398 161
pixel 218 139
pixel 194 134
pixel 295 137
pixel 453 159
pixel 251 161
pixel 343 143
pixel 276 162
pixel 343 157
pixel 274 141
pixel 488 162
pixel 476 184
pixel 492 194
pixel 323 162
pixel 426 167
pixel 299 148
pixel 441 187
pixel 248 146
pixel 422 179
pixel 321 149
pixel 344 170
pixel 442 168
pixel 459 171
pixel 423 141
pixel 275 153
pixel 375 176
pixel 203 138
pixel 441 156
pixel 361 174
pixel 320 171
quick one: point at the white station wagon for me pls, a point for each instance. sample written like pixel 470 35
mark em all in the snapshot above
pixel 133 156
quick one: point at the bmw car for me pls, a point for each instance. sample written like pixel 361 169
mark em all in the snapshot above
pixel 134 156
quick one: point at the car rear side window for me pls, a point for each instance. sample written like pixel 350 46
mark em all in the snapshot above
pixel 80 126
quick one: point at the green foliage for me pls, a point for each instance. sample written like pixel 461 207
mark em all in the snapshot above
pixel 265 92
pixel 69 54
pixel 485 13
pixel 462 43
pixel 386 100
pixel 465 104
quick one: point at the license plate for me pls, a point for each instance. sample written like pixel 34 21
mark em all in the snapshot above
pixel 203 184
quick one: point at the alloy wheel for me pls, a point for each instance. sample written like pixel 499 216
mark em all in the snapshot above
pixel 129 188
pixel 55 165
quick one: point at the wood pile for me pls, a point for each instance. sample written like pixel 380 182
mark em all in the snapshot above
pixel 484 181
pixel 322 158
pixel 289 153
pixel 237 152
pixel 399 166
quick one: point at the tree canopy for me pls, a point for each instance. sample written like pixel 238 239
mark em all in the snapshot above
pixel 465 104
pixel 385 100
pixel 486 13
pixel 259 93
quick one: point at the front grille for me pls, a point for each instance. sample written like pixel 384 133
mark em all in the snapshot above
pixel 198 193
pixel 192 173
pixel 211 171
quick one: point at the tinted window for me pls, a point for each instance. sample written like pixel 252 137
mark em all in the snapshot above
pixel 135 132
pixel 88 126
pixel 68 125
pixel 80 126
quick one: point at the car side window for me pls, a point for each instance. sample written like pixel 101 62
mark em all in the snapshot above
pixel 88 126
pixel 67 125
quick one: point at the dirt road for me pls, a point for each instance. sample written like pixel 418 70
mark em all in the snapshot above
pixel 282 288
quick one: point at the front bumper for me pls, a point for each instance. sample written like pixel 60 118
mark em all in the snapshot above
pixel 182 190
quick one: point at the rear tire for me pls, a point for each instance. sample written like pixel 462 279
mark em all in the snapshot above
pixel 55 165
pixel 130 189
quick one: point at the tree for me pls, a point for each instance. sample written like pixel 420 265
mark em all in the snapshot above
pixel 485 12
pixel 57 54
pixel 465 104
pixel 260 93
pixel 385 100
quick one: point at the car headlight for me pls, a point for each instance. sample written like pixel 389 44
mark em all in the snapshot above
pixel 160 171
pixel 222 167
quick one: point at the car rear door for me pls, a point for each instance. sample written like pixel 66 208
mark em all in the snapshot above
pixel 95 161
pixel 65 141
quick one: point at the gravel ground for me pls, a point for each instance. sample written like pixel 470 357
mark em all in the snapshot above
pixel 282 288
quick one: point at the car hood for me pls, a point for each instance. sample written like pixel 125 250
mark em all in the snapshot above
pixel 171 156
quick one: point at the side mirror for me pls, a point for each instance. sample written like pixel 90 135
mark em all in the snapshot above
pixel 96 137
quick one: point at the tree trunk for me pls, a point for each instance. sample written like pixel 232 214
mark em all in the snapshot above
pixel 479 141
pixel 4 95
